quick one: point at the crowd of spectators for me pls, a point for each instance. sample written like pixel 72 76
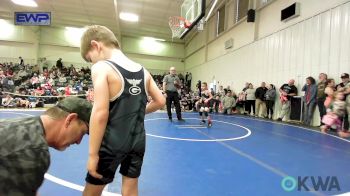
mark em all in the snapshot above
pixel 24 85
pixel 333 102
pixel 20 83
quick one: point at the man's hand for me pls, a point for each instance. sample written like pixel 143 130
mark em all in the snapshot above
pixel 92 166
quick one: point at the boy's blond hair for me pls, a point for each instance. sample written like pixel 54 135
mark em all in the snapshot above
pixel 98 33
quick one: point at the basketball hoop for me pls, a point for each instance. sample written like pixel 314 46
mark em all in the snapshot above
pixel 178 25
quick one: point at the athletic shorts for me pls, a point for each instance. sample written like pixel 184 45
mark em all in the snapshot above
pixel 130 164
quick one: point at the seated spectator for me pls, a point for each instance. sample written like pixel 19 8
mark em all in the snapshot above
pixel 9 101
pixel 90 95
pixel 36 68
pixel 62 79
pixel 46 73
pixel 10 83
pixel 1 97
pixel 240 102
pixel 215 102
pixel 228 102
pixel 42 78
pixel 68 90
pixel 35 80
pixel 39 91
pixel 2 74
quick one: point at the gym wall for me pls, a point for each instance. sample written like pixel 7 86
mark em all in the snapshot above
pixel 156 56
pixel 309 45
pixel 33 43
pixel 317 41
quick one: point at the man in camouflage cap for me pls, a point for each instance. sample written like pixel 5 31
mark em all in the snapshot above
pixel 24 153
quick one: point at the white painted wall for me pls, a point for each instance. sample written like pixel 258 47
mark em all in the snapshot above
pixel 216 48
pixel 58 43
pixel 270 16
pixel 156 56
pixel 153 48
pixel 18 41
pixel 318 44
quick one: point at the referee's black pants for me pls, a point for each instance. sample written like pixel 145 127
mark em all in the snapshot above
pixel 173 97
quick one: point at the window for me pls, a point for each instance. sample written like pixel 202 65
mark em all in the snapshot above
pixel 241 9
pixel 221 20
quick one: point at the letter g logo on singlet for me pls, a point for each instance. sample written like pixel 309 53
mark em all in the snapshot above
pixel 134 89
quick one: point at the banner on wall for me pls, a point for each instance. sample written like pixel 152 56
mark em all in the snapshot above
pixel 33 18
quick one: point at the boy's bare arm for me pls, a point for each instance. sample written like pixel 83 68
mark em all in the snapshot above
pixel 99 116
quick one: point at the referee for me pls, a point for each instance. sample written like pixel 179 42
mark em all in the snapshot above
pixel 170 84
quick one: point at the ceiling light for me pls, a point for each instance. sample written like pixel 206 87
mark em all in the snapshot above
pixel 28 3
pixel 129 17
pixel 154 39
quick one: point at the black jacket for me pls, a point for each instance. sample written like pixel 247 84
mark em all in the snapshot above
pixel 260 93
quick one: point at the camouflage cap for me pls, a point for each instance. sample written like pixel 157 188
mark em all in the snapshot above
pixel 80 106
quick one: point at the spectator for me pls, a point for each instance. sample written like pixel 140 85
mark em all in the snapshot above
pixel 59 64
pixel 22 74
pixel 21 61
pixel 246 86
pixel 250 102
pixel 189 80
pixel 321 96
pixel 287 91
pixel 309 99
pixel 346 133
pixel 329 91
pixel 221 92
pixel 35 80
pixel 62 79
pixel 215 102
pixel 228 102
pixel 1 96
pixel 36 68
pixel 345 86
pixel 260 100
pixel 270 97
pixel 9 101
pixel 345 81
pixel 335 113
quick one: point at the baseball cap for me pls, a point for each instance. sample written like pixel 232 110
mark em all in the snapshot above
pixel 344 75
pixel 77 105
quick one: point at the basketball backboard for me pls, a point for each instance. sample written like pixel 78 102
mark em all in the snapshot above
pixel 192 11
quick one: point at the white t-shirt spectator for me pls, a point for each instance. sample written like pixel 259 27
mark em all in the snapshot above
pixel 250 94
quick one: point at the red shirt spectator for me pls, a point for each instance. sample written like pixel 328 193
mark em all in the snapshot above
pixel 67 90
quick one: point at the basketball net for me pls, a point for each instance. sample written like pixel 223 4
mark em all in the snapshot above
pixel 177 25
